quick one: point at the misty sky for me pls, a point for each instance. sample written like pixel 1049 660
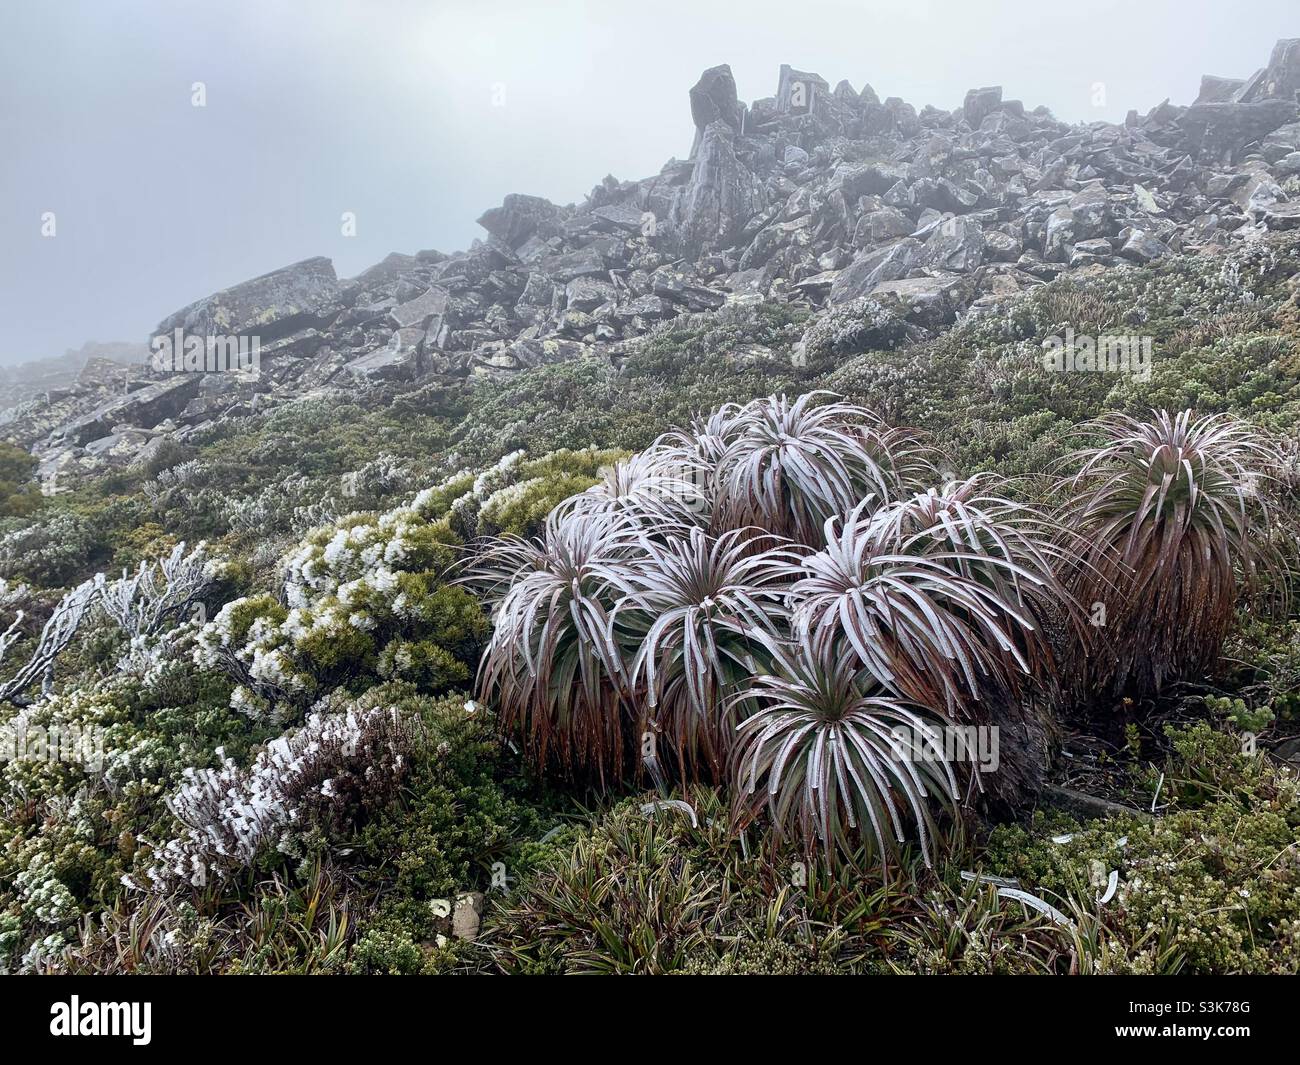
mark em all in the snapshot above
pixel 417 116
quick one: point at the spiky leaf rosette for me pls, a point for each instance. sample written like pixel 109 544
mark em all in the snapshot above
pixel 1007 547
pixel 1173 516
pixel 823 752
pixel 989 538
pixel 663 489
pixel 985 537
pixel 690 606
pixel 934 633
pixel 791 465
pixel 708 437
pixel 554 666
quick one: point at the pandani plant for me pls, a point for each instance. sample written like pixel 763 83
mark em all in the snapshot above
pixel 1176 528
pixel 769 594
pixel 831 753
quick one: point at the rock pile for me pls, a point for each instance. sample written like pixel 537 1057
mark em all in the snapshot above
pixel 829 197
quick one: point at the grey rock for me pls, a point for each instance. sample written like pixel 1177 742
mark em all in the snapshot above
pixel 1001 247
pixel 1218 90
pixel 1090 209
pixel 1058 234
pixel 862 324
pixel 385 272
pixel 590 261
pixel 980 103
pixel 519 218
pixel 722 195
pixel 1221 130
pixel 1281 78
pixel 1283 216
pixel 586 294
pixel 713 99
pixel 956 244
pixel 421 310
pixel 931 302
pixel 144 408
pixel 1090 251
pixel 398 361
pixel 871 268
pixel 619 217
pixel 268 307
pixel 649 308
pixel 798 91
pixel 885 224
pixel 1142 247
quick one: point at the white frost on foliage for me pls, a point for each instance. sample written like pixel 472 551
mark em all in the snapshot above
pixel 334 766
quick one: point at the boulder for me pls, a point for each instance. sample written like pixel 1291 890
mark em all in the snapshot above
pixel 1216 90
pixel 930 302
pixel 519 218
pixel 1142 247
pixel 871 268
pixel 619 217
pixel 1220 131
pixel 586 293
pixel 1282 216
pixel 419 312
pixel 981 102
pixel 1281 78
pixel 590 261
pixel 956 244
pixel 888 223
pixel 274 305
pixel 398 361
pixel 713 99
pixel 862 324
pixel 798 91
pixel 721 196
pixel 143 408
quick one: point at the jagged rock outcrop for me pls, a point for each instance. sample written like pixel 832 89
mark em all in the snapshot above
pixel 831 198
pixel 721 196
pixel 273 306
pixel 713 99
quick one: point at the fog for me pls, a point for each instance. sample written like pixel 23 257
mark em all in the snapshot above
pixel 120 200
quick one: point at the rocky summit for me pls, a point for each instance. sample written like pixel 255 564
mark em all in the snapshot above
pixel 816 196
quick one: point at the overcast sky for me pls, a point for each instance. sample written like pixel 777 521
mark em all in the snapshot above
pixel 417 116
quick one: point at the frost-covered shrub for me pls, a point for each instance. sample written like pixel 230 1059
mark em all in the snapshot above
pixel 322 776
pixel 851 328
pixel 381 479
pixel 57 632
pixel 290 504
pixel 515 494
pixel 75 769
pixel 363 599
pixel 80 734
pixel 161 667
pixel 52 552
pixel 369 597
pixel 193 499
pixel 158 593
